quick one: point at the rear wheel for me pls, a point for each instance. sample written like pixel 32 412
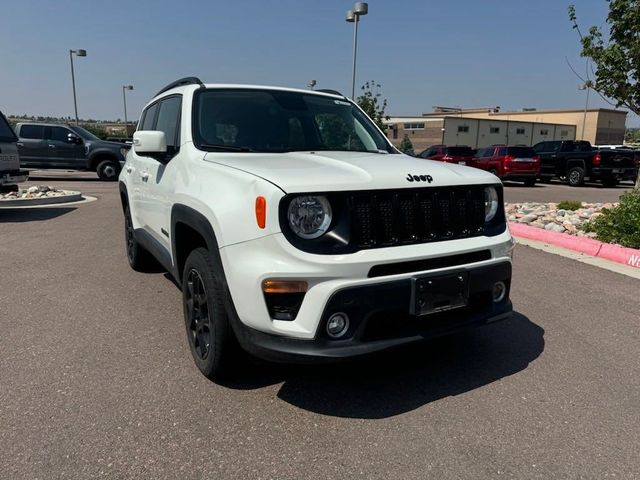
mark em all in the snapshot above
pixel 108 170
pixel 212 342
pixel 575 176
pixel 139 258
pixel 529 182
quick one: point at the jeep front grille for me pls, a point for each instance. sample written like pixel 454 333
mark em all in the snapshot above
pixel 386 218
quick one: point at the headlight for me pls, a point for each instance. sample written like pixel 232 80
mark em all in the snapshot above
pixel 309 216
pixel 490 203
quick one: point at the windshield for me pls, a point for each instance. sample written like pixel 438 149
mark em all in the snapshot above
pixel 6 132
pixel 277 121
pixel 85 134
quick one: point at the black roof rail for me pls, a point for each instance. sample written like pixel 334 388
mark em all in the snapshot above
pixel 180 83
pixel 328 90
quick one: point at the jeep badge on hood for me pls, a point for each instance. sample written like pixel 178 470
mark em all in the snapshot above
pixel 419 178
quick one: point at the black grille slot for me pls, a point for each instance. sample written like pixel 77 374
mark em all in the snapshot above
pixel 385 218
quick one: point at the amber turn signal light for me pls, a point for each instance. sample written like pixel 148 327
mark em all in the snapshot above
pixel 284 286
pixel 261 211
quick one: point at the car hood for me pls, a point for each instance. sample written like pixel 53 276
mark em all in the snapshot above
pixel 296 172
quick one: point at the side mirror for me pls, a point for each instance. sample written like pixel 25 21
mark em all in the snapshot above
pixel 151 143
pixel 73 138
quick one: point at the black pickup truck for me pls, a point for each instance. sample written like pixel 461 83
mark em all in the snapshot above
pixel 44 145
pixel 575 161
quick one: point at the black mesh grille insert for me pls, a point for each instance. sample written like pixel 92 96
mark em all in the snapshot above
pixel 384 218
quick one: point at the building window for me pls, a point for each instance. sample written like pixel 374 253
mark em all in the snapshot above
pixel 544 131
pixel 494 129
pixel 463 128
pixel 519 131
pixel 395 132
pixel 564 133
pixel 413 126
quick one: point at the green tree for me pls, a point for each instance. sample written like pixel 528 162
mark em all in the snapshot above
pixel 615 54
pixel 373 104
pixel 96 130
pixel 406 146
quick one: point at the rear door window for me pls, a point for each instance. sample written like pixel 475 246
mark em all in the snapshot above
pixel 149 117
pixel 32 131
pixel 460 151
pixel 502 151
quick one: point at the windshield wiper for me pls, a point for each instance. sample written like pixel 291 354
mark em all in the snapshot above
pixel 225 148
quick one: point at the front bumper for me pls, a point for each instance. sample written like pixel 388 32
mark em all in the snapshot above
pixel 376 271
pixel 13 177
pixel 380 319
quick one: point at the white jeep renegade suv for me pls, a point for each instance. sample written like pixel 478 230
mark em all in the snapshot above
pixel 299 233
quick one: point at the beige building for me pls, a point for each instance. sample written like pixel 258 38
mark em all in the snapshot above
pixel 486 126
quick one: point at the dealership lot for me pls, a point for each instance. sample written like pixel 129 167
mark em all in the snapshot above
pixel 97 378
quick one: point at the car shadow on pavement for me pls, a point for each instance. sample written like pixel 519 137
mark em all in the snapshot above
pixel 21 215
pixel 404 379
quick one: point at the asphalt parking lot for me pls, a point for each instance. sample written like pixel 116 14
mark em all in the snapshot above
pixel 97 379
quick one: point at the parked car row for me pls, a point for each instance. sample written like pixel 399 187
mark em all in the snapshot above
pixel 566 160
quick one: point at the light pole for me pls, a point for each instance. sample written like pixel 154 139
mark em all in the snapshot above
pixel 124 100
pixel 79 53
pixel 353 16
pixel 585 86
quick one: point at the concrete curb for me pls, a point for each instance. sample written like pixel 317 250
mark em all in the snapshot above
pixel 588 246
pixel 71 196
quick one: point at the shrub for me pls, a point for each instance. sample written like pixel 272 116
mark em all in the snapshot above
pixel 620 224
pixel 406 146
pixel 569 205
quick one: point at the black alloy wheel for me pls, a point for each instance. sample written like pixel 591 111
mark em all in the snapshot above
pixel 198 319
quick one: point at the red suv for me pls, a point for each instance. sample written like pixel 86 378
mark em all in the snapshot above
pixel 509 163
pixel 458 154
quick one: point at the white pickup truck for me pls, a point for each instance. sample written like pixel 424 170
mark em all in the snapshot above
pixel 10 173
pixel 298 233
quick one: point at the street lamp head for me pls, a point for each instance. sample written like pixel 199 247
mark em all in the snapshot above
pixel 80 52
pixel 361 8
pixel 351 17
pixel 128 87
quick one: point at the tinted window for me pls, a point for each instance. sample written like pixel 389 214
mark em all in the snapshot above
pixel 539 147
pixel 502 151
pixel 521 152
pixel 460 151
pixel 59 134
pixel 32 131
pixel 278 121
pixel 168 120
pixel 6 132
pixel 148 118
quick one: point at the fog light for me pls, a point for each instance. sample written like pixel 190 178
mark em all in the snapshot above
pixel 337 325
pixel 499 291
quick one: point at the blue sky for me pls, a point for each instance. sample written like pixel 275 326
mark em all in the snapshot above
pixel 432 52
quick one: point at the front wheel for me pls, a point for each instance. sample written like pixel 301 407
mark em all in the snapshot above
pixel 108 170
pixel 575 176
pixel 211 339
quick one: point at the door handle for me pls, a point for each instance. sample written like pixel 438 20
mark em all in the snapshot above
pixel 20 144
pixel 52 146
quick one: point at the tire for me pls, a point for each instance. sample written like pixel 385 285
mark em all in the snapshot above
pixel 575 176
pixel 529 182
pixel 108 170
pixel 138 257
pixel 212 342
